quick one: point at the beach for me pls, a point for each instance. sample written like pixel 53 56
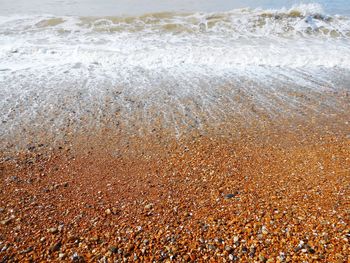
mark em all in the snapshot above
pixel 276 194
pixel 185 133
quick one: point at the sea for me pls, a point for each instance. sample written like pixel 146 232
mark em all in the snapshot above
pixel 69 65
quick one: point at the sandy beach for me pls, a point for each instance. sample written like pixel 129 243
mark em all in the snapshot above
pixel 175 131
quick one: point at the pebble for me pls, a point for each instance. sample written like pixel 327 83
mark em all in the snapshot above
pixel 26 250
pixel 264 230
pixel 75 256
pixel 228 249
pixel 113 249
pixel 55 247
pixel 229 196
pixel 231 257
pixel 149 206
pixel 211 247
pixel 60 228
pixel 6 221
pixel 52 230
pixel 262 258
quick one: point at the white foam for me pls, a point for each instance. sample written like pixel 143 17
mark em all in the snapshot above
pixel 57 69
pixel 296 37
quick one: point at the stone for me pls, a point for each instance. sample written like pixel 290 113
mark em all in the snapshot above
pixel 55 247
pixel 75 256
pixel 228 249
pixel 149 206
pixel 115 211
pixel 26 250
pixel 262 258
pixel 311 250
pixel 108 211
pixel 231 257
pixel 264 230
pixel 6 221
pixel 252 251
pixel 52 230
pixel 229 196
pixel 211 247
pixel 113 249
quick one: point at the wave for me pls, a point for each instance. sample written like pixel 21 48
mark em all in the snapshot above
pixel 305 20
pixel 300 36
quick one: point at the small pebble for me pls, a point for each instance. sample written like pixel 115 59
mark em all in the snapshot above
pixel 52 230
pixel 149 206
pixel 113 249
pixel 55 247
pixel 6 221
pixel 229 196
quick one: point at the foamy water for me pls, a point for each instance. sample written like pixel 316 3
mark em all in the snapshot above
pixel 62 73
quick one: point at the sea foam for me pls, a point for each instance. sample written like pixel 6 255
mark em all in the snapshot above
pixel 64 71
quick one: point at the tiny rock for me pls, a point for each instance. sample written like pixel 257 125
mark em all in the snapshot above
pixel 6 221
pixel 60 228
pixel 228 249
pixel 52 230
pixel 149 206
pixel 75 257
pixel 229 196
pixel 262 258
pixel 113 249
pixel 264 230
pixel 55 247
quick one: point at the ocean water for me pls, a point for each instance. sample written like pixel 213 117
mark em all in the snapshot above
pixel 69 65
pixel 137 7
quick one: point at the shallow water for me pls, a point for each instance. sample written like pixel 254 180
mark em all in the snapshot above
pixel 72 66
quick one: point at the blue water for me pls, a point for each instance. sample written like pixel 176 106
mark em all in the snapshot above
pixel 131 7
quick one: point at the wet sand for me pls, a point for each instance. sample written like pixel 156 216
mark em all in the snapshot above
pixel 269 193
